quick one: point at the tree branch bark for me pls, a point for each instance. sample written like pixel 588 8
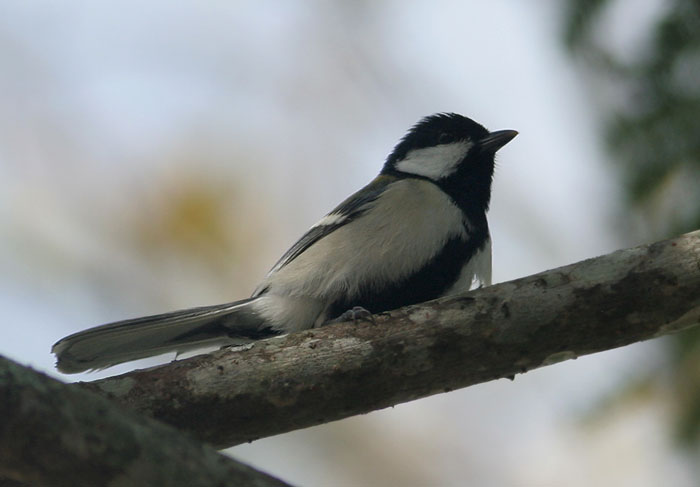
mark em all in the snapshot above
pixel 321 375
pixel 52 434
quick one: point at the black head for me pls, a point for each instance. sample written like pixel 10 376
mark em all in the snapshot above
pixel 452 150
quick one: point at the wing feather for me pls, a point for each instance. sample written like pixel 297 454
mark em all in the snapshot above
pixel 347 211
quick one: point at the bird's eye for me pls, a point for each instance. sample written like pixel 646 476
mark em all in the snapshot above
pixel 446 138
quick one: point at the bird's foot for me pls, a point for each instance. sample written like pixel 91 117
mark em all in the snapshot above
pixel 354 314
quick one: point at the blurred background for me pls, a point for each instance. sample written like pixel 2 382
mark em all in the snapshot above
pixel 160 155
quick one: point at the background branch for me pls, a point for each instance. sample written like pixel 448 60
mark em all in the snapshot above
pixel 321 375
pixel 52 434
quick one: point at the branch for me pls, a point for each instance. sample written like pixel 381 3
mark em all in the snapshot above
pixel 321 375
pixel 57 435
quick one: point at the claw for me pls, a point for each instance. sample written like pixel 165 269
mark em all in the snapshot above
pixel 355 314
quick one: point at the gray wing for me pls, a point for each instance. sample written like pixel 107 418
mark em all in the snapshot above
pixel 347 211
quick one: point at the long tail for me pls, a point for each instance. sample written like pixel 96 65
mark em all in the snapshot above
pixel 122 341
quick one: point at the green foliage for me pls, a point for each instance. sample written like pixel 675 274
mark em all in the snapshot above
pixel 653 133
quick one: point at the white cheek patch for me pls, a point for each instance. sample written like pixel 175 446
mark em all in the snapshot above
pixel 434 162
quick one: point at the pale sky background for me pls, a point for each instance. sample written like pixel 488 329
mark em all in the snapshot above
pixel 114 116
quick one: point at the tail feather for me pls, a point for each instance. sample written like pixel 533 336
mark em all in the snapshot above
pixel 178 331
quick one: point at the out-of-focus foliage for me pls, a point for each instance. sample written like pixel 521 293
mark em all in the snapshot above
pixel 649 96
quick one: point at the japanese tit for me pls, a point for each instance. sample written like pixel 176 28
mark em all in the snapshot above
pixel 418 231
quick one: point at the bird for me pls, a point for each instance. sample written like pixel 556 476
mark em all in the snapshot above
pixel 416 232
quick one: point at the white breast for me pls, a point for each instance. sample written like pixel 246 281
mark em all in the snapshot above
pixel 475 273
pixel 406 226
